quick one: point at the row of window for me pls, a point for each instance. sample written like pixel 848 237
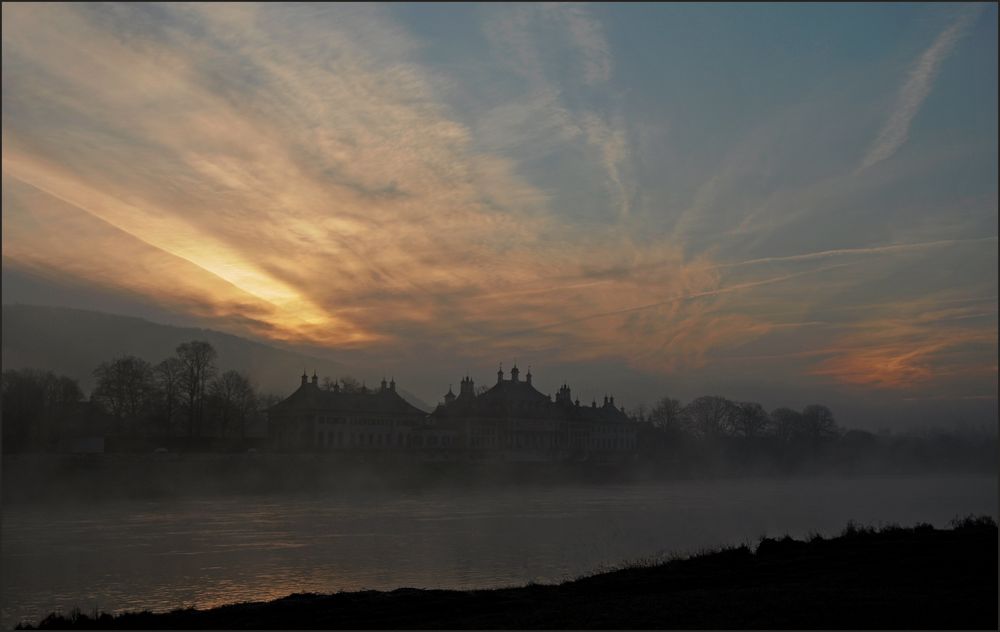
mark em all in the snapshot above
pixel 328 439
pixel 362 421
pixel 340 439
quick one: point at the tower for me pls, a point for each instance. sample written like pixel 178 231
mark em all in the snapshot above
pixel 468 387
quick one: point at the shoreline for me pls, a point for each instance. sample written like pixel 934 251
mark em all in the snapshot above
pixel 894 577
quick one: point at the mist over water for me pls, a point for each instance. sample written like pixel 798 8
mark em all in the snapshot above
pixel 132 554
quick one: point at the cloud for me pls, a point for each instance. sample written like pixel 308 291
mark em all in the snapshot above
pixel 914 91
pixel 304 174
pixel 874 250
pixel 551 114
pixel 588 36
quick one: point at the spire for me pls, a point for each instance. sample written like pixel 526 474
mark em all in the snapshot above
pixel 514 373
pixel 500 373
pixel 315 378
pixel 383 384
pixel 305 378
pixel 392 384
pixel 527 376
pixel 449 397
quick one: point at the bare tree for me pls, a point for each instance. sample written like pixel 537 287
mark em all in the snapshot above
pixel 198 359
pixel 234 401
pixel 668 414
pixel 34 403
pixel 819 424
pixel 350 385
pixel 169 376
pixel 749 420
pixel 710 415
pixel 786 424
pixel 124 388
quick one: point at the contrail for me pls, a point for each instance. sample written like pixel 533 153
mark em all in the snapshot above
pixel 911 96
pixel 874 250
pixel 673 299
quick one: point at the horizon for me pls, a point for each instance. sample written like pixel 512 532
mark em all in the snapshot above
pixel 788 206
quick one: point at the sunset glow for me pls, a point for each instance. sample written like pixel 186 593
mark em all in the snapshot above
pixel 566 185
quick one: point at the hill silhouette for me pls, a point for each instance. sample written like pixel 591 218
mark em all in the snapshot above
pixel 74 341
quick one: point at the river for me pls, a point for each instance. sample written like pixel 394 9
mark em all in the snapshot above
pixel 160 555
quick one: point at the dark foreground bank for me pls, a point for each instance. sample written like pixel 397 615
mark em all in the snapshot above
pixel 915 578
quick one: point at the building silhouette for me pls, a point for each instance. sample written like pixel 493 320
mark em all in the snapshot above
pixel 312 418
pixel 510 421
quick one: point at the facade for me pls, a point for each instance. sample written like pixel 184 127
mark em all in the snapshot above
pixel 510 421
pixel 312 418
pixel 513 421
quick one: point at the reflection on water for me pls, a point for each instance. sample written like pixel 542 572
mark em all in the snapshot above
pixel 163 555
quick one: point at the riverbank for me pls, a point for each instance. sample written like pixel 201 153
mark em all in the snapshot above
pixel 919 578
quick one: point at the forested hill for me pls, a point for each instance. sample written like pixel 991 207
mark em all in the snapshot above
pixel 73 342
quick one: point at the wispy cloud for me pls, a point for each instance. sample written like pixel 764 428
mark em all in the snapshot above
pixel 874 250
pixel 307 173
pixel 915 90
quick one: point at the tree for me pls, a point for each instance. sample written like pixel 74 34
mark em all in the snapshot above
pixel 349 385
pixel 668 414
pixel 198 361
pixel 786 424
pixel 234 401
pixel 711 415
pixel 819 424
pixel 33 404
pixel 124 388
pixel 749 420
pixel 169 376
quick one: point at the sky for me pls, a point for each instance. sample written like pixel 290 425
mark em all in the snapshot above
pixel 778 203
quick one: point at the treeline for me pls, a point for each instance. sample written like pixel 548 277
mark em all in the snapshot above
pixel 715 434
pixel 714 417
pixel 185 395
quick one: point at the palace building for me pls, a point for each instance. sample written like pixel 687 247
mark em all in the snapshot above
pixel 514 421
pixel 510 421
pixel 313 418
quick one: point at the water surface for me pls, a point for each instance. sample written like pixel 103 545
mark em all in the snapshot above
pixel 161 555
